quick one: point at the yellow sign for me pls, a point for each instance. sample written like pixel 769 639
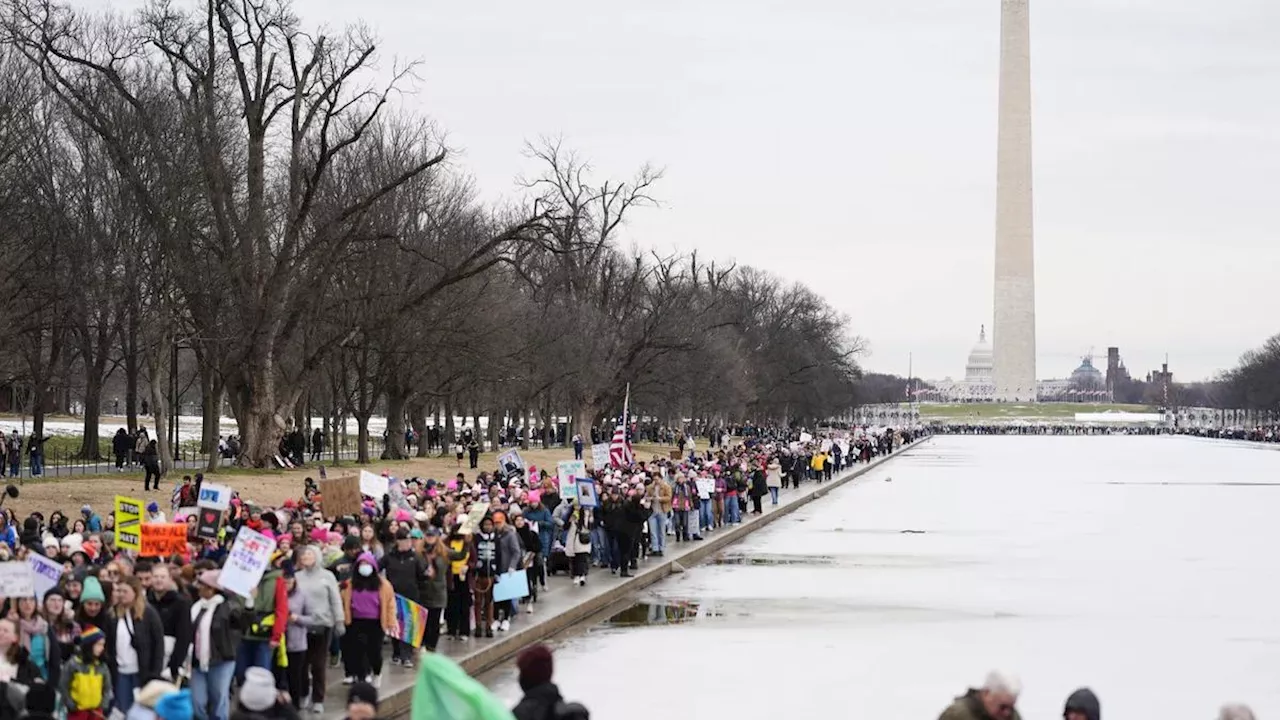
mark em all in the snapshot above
pixel 128 514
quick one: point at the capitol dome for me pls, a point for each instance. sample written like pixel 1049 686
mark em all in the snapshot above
pixel 1087 377
pixel 978 370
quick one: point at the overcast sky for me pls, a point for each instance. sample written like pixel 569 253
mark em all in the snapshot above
pixel 851 144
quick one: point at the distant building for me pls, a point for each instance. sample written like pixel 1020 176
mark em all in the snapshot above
pixel 1117 374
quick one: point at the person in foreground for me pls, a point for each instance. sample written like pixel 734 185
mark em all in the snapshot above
pixel 1082 705
pixel 542 700
pixel 995 700
pixel 362 702
pixel 1235 712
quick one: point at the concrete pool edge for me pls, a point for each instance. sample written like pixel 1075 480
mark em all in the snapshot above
pixel 397 703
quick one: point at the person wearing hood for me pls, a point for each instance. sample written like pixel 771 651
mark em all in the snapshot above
pixel 369 612
pixel 325 600
pixel 175 617
pixel 995 700
pixel 216 621
pixel 407 573
pixel 1082 705
pixel 92 522
pixel 542 697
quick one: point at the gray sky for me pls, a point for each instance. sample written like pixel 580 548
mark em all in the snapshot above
pixel 851 144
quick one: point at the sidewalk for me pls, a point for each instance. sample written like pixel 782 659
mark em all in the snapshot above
pixel 562 605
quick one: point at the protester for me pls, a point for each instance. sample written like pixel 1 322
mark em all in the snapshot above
pixel 138 656
pixel 362 702
pixel 995 700
pixel 542 698
pixel 1082 705
pixel 368 606
pixel 325 603
pixel 216 621
pixel 86 687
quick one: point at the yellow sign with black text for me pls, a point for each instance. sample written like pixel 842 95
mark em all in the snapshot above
pixel 128 512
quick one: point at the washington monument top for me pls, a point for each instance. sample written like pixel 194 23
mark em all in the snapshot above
pixel 1014 330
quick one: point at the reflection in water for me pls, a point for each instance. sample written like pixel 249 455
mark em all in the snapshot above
pixel 672 612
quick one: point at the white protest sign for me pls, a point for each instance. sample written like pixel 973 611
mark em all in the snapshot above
pixel 805 437
pixel 706 487
pixel 247 562
pixel 215 497
pixel 600 455
pixel 16 580
pixel 45 573
pixel 569 471
pixel 375 486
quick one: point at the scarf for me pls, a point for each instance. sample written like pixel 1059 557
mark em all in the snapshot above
pixel 31 627
pixel 202 611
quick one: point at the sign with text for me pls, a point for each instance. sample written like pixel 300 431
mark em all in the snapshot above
pixel 45 573
pixel 569 472
pixel 128 512
pixel 600 455
pixel 247 562
pixel 472 523
pixel 213 496
pixel 163 539
pixel 208 520
pixel 511 465
pixel 16 580
pixel 340 496
pixel 375 486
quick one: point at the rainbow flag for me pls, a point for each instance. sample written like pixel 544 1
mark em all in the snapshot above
pixel 412 620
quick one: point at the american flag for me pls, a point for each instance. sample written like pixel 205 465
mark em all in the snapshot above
pixel 620 454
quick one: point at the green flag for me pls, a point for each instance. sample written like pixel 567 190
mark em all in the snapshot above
pixel 446 692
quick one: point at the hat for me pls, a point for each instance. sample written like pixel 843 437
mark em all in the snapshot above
pixel 403 515
pixel 92 591
pixel 319 535
pixel 535 666
pixel 153 506
pixel 363 692
pixel 151 693
pixel 421 516
pixel 176 706
pixel 433 531
pixel 86 510
pixel 41 699
pixel 534 497
pixel 90 635
pixel 351 543
pixel 210 578
pixel 402 534
pixel 258 693
pixel 416 534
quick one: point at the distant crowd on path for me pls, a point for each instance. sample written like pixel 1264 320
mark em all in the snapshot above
pixel 119 633
pixel 997 699
pixel 1039 429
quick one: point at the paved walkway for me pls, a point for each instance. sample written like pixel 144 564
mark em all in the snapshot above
pixel 562 605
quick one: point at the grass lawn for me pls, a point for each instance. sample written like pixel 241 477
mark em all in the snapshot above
pixel 268 487
pixel 1001 411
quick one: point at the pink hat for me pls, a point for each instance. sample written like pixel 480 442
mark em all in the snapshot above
pixel 333 537
pixel 319 534
pixel 451 485
pixel 403 515
pixel 534 497
pixel 432 493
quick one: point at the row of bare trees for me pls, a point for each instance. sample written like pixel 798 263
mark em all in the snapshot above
pixel 211 175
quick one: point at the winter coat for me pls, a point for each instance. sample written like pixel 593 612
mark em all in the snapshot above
pixel 759 486
pixel 121 444
pixel 509 551
pixel 774 478
pixel 682 495
pixel 301 621
pixel 573 544
pixel 406 571
pixel 969 707
pixel 226 629
pixel 659 494
pixel 539 703
pixel 387 607
pixel 542 516
pixel 175 616
pixel 324 598
pixel 82 683
pixel 435 589
pixel 147 641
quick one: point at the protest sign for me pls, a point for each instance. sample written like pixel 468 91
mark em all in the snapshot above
pixel 586 490
pixel 511 465
pixel 45 573
pixel 375 486
pixel 600 456
pixel 472 523
pixel 341 496
pixel 208 520
pixel 411 618
pixel 805 437
pixel 511 586
pixel 128 512
pixel 246 562
pixel 213 496
pixel 163 539
pixel 569 472
pixel 706 487
pixel 16 580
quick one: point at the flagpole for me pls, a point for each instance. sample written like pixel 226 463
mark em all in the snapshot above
pixel 626 402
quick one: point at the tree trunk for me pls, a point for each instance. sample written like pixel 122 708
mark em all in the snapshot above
pixel 525 417
pixel 418 416
pixel 90 445
pixel 396 401
pixel 496 428
pixel 362 438
pixel 131 370
pixel 158 369
pixel 450 429
pixel 549 427
pixel 475 423
pixel 211 391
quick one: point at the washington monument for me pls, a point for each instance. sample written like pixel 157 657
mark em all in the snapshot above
pixel 1014 361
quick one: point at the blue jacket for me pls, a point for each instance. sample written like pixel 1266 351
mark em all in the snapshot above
pixel 542 516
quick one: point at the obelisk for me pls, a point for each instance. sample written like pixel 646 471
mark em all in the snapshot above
pixel 1014 357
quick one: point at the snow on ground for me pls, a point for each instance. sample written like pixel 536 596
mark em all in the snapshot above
pixel 1138 566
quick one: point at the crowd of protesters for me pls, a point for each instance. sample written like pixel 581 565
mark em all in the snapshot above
pixel 118 628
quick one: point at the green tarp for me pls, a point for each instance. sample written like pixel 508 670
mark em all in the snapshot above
pixel 446 692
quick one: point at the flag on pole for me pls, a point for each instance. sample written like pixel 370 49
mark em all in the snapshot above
pixel 620 448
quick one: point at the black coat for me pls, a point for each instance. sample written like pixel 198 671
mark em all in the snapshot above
pixel 27 674
pixel 175 618
pixel 538 703
pixel 147 641
pixel 406 571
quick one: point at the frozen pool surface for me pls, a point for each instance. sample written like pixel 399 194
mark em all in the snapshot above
pixel 1140 566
